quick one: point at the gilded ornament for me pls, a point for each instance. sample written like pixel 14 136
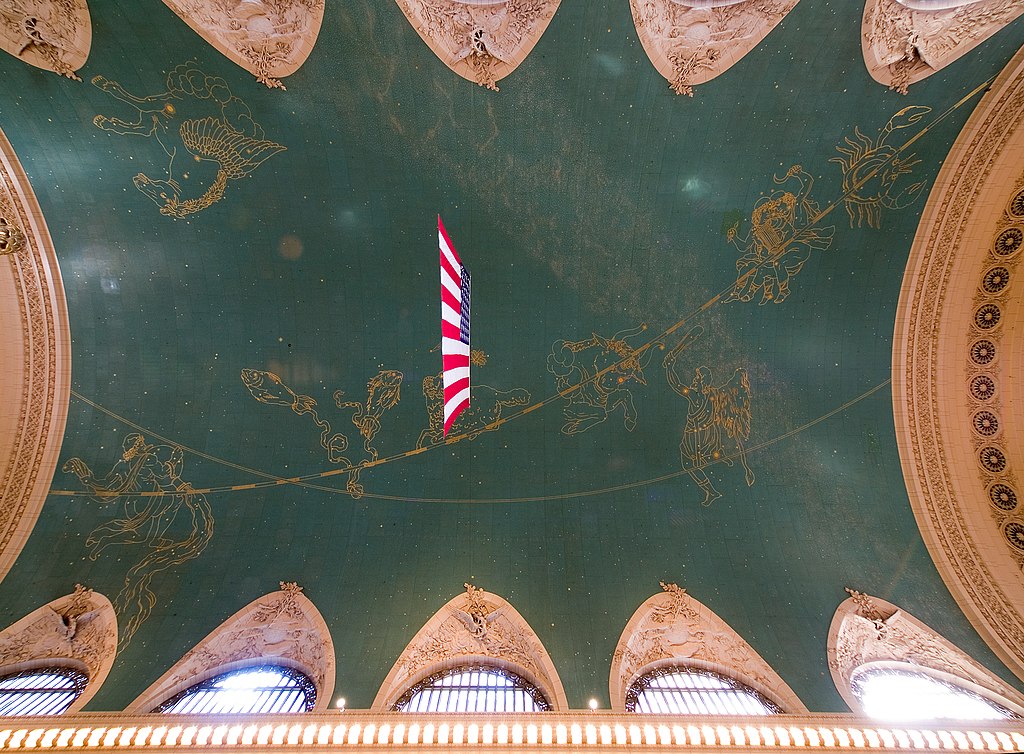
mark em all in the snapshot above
pixel 12 238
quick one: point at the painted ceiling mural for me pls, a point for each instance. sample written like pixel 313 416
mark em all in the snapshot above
pixel 683 323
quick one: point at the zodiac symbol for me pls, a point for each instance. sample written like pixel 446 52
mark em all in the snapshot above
pixel 602 376
pixel 781 238
pixel 483 414
pixel 714 415
pixel 231 138
pixel 383 392
pixel 174 525
pixel 865 157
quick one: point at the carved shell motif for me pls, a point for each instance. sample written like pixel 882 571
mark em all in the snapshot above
pixel 55 35
pixel 481 40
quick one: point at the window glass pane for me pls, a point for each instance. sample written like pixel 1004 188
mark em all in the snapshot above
pixel 693 691
pixel 48 691
pixel 269 688
pixel 473 689
pixel 897 694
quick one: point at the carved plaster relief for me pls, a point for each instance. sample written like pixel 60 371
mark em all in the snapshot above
pixel 904 42
pixel 672 628
pixel 282 628
pixel 78 630
pixel 269 38
pixel 867 630
pixel 35 358
pixel 52 34
pixel 481 40
pixel 474 626
pixel 690 41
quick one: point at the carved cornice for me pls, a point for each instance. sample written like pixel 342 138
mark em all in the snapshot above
pixel 954 381
pixel 868 630
pixel 691 45
pixel 55 35
pixel 35 358
pixel 903 45
pixel 474 626
pixel 79 630
pixel 672 628
pixel 270 39
pixel 481 41
pixel 282 628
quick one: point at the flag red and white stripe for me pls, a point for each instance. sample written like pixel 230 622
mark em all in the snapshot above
pixel 454 329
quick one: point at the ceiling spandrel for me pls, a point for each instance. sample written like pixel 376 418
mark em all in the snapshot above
pixel 681 350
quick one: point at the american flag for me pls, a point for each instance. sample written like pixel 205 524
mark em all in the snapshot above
pixel 454 329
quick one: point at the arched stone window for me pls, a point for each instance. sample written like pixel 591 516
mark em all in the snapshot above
pixel 252 690
pixel 269 646
pixel 676 655
pixel 475 631
pixel 936 4
pixel 473 688
pixel 44 691
pixel 887 664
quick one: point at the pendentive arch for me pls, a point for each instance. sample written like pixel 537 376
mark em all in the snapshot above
pixel 672 629
pixel 475 628
pixel 281 628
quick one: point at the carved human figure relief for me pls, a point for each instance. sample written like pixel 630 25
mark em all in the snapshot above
pixel 472 627
pixel 78 630
pixel 52 34
pixel 282 628
pixel 868 630
pixel 905 41
pixel 672 628
pixel 481 40
pixel 692 41
pixel 269 38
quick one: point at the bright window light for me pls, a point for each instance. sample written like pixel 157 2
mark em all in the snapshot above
pixel 694 691
pixel 903 695
pixel 268 688
pixel 473 689
pixel 46 691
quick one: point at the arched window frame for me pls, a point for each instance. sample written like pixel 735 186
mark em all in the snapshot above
pixel 300 641
pixel 868 632
pixel 936 4
pixel 668 667
pixel 77 631
pixel 78 675
pixel 523 682
pixel 475 627
pixel 304 682
pixel 702 640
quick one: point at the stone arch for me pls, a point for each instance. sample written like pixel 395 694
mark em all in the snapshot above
pixel 672 628
pixel 280 628
pixel 78 630
pixel 474 627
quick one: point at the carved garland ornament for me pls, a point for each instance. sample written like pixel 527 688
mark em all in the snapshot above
pixel 55 35
pixel 869 630
pixel 903 45
pixel 952 357
pixel 474 626
pixel 79 629
pixel 282 628
pixel 672 628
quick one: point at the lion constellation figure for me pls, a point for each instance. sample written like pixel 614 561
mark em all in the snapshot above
pixel 172 522
pixel 714 415
pixel 598 371
pixel 781 237
pixel 230 138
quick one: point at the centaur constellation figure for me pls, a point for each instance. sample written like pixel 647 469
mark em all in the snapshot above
pixel 715 415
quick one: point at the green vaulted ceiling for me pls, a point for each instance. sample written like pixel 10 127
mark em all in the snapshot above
pixel 587 199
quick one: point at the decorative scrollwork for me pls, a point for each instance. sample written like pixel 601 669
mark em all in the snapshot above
pixel 985 423
pixel 995 280
pixel 1002 496
pixel 987 316
pixel 982 352
pixel 992 459
pixel 1008 242
pixel 983 387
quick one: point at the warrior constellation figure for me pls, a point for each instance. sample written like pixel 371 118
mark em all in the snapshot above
pixel 714 415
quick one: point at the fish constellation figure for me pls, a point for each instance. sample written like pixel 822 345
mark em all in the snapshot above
pixel 229 137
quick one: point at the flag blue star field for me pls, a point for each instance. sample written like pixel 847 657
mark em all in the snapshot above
pixel 454 329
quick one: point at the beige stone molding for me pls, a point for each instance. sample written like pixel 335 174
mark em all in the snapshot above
pixel 78 630
pixel 868 630
pixel 481 40
pixel 270 39
pixel 597 732
pixel 55 35
pixel 957 353
pixel 672 628
pixel 35 358
pixel 905 41
pixel 475 626
pixel 280 628
pixel 693 41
